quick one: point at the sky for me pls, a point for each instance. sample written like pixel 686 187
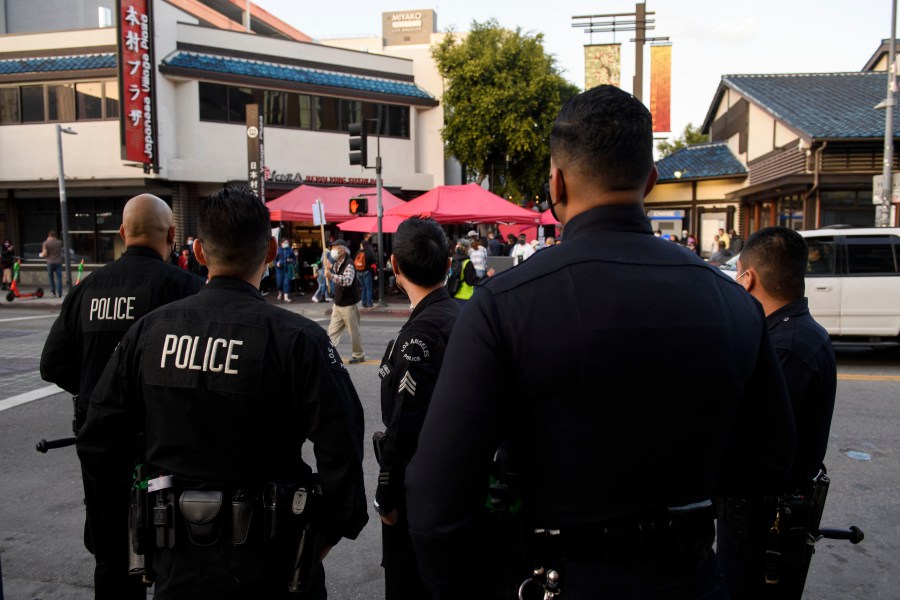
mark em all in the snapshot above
pixel 710 38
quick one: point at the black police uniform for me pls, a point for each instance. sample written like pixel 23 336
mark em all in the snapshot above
pixel 94 317
pixel 409 372
pixel 810 370
pixel 227 388
pixel 660 389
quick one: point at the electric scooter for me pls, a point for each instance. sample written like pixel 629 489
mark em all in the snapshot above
pixel 14 287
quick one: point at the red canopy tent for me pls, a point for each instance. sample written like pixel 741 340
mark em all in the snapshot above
pixel 389 224
pixel 296 205
pixel 547 218
pixel 465 204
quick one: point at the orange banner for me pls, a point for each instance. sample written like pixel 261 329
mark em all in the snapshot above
pixel 602 65
pixel 661 87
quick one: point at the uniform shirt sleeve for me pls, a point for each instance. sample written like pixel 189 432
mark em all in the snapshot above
pixel 447 480
pixel 416 361
pixel 61 357
pixel 763 440
pixel 106 442
pixel 333 422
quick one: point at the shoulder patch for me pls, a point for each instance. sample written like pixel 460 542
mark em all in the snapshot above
pixel 333 358
pixel 415 350
pixel 407 384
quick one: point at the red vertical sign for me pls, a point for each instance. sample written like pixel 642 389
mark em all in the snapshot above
pixel 661 87
pixel 136 81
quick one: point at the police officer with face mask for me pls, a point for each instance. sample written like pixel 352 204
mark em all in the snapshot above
pixel 94 317
pixel 227 388
pixel 616 478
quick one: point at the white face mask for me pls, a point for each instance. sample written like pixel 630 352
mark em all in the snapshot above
pixel 334 254
pixel 285 245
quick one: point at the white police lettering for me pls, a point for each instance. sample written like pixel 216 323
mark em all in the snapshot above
pixel 112 309
pixel 411 346
pixel 218 354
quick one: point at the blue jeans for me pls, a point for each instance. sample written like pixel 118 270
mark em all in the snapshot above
pixel 365 279
pixel 51 269
pixel 283 280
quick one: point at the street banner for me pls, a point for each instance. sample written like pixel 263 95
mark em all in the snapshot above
pixel 256 164
pixel 602 65
pixel 137 83
pixel 661 87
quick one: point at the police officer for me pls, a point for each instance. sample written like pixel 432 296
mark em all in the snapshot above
pixel 227 388
pixel 772 267
pixel 619 443
pixel 409 371
pixel 94 317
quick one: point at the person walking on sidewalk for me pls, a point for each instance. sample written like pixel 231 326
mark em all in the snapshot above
pixel 284 270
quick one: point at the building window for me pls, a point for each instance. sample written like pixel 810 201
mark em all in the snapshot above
pixel 213 102
pixel 9 105
pixel 275 108
pixel 848 208
pixel 88 100
pixel 59 102
pixel 33 104
pixel 328 114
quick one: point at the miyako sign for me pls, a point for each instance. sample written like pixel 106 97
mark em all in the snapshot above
pixel 408 27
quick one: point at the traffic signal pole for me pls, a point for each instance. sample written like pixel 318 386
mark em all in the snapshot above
pixel 359 156
pixel 381 301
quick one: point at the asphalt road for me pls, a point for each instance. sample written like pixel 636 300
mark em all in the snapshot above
pixel 41 517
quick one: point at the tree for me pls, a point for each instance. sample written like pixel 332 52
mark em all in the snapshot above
pixel 502 93
pixel 690 136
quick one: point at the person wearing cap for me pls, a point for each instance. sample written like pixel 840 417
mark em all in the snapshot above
pixel 522 250
pixel 347 294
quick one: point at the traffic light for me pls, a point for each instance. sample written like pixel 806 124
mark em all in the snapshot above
pixel 358 144
pixel 359 206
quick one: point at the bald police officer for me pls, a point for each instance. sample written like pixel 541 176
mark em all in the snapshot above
pixel 94 317
pixel 227 389
pixel 619 443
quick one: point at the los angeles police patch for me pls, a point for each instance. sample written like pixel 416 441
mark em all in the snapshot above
pixel 415 350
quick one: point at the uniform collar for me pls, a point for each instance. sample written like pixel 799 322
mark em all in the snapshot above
pixel 142 251
pixel 233 284
pixel 628 218
pixel 797 308
pixel 432 297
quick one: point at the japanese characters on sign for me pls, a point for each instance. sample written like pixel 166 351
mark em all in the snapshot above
pixel 256 153
pixel 136 73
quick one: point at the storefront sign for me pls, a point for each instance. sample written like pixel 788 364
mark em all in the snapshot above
pixel 665 214
pixel 278 177
pixel 256 153
pixel 408 27
pixel 137 79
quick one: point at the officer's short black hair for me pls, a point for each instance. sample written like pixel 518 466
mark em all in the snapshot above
pixel 234 228
pixel 606 135
pixel 421 250
pixel 779 256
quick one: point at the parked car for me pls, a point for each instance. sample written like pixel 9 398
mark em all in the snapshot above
pixel 32 253
pixel 853 283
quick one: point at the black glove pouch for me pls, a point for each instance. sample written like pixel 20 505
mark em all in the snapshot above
pixel 201 510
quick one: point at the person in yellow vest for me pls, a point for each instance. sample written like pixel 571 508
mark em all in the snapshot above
pixel 462 279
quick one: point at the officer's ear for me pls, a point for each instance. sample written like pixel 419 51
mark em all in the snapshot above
pixel 651 181
pixel 122 232
pixel 272 250
pixel 170 237
pixel 199 253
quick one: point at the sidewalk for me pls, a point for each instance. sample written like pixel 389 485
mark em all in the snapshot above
pixel 395 306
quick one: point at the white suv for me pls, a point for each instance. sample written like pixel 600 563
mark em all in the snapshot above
pixel 853 283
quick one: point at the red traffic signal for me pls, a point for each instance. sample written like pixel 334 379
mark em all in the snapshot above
pixel 359 206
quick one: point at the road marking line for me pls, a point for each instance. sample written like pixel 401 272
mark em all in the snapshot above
pixel 852 377
pixel 30 396
pixel 28 318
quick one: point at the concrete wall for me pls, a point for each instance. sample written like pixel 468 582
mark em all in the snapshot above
pixel 761 133
pixel 716 189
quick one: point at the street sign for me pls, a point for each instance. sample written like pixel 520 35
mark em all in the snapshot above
pixel 877 185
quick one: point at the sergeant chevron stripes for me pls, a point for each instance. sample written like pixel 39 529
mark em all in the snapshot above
pixel 408 384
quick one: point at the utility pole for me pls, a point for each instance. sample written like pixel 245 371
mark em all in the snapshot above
pixel 883 212
pixel 615 22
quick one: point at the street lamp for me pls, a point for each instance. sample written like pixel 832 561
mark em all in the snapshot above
pixel 62 202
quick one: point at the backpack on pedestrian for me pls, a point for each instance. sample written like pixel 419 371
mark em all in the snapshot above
pixel 454 281
pixel 359 263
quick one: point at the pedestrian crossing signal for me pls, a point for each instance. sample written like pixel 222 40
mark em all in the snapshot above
pixel 359 206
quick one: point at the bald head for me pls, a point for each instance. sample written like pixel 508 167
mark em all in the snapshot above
pixel 147 221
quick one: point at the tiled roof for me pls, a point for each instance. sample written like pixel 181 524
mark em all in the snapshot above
pixel 269 70
pixel 821 105
pixel 51 64
pixel 713 159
